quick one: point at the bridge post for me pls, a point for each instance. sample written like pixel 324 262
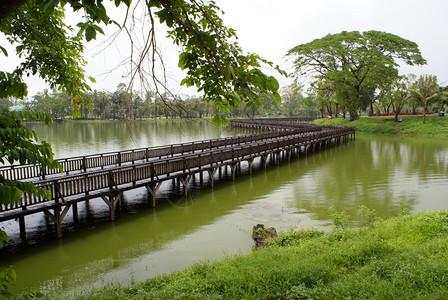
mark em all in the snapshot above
pixel 250 161
pixel 111 202
pixel 152 188
pixel 211 174
pixel 276 157
pixel 22 227
pixel 264 158
pixel 185 179
pixel 288 154
pixel 233 169
pixel 57 216
pixel 75 212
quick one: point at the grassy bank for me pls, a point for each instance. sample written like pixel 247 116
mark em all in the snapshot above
pixel 411 125
pixel 400 258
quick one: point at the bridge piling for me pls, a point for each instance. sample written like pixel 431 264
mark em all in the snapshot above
pixel 22 228
pixel 111 202
pixel 57 217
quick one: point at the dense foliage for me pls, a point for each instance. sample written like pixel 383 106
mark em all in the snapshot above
pixel 353 66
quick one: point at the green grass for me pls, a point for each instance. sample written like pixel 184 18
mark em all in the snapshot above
pixel 400 258
pixel 412 125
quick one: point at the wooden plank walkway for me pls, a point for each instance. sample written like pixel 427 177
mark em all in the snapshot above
pixel 108 175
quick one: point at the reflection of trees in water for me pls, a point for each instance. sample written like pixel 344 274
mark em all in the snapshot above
pixel 374 171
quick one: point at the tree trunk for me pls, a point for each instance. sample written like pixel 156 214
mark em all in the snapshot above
pixel 424 111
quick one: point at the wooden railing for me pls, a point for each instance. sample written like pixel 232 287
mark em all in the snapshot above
pixel 95 182
pixel 102 160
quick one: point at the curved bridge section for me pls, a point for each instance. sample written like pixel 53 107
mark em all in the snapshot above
pixel 109 175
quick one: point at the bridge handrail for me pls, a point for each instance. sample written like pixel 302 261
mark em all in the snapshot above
pixel 101 160
pixel 85 183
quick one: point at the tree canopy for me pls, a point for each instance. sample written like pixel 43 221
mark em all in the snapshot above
pixel 426 90
pixel 354 64
pixel 213 61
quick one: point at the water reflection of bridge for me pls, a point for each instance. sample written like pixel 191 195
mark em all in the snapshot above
pixel 108 175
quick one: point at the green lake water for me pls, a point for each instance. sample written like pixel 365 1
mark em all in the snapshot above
pixel 390 174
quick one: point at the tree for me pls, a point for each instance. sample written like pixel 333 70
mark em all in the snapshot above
pixel 355 63
pixel 5 103
pixel 399 94
pixel 48 47
pixel 291 99
pixel 100 101
pixel 56 104
pixel 325 97
pixel 425 90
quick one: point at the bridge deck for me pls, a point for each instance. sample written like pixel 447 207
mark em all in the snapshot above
pixel 108 175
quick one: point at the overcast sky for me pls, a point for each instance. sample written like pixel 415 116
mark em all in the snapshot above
pixel 271 28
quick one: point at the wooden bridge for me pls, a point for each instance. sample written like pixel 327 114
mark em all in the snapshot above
pixel 108 175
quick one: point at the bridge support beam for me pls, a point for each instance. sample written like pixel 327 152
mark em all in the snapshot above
pixel 152 189
pixel 75 212
pixel 22 227
pixel 276 157
pixel 250 161
pixel 111 202
pixel 264 159
pixel 57 217
pixel 233 169
pixel 185 179
pixel 211 174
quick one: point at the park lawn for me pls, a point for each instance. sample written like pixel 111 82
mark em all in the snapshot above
pixel 434 126
pixel 399 258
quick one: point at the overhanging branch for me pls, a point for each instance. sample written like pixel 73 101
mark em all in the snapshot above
pixel 9 6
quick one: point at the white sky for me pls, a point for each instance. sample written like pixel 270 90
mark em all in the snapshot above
pixel 271 28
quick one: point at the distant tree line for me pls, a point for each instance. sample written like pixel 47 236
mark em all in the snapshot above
pixel 405 95
pixel 124 104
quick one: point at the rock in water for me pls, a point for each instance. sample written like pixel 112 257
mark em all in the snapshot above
pixel 260 233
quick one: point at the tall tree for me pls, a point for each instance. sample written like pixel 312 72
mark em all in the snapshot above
pixel 399 94
pixel 355 63
pixel 426 90
pixel 291 99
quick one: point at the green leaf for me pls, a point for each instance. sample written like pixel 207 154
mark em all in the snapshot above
pixel 4 51
pixel 277 97
pixel 3 238
pixel 9 194
pixel 229 73
pixel 90 33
